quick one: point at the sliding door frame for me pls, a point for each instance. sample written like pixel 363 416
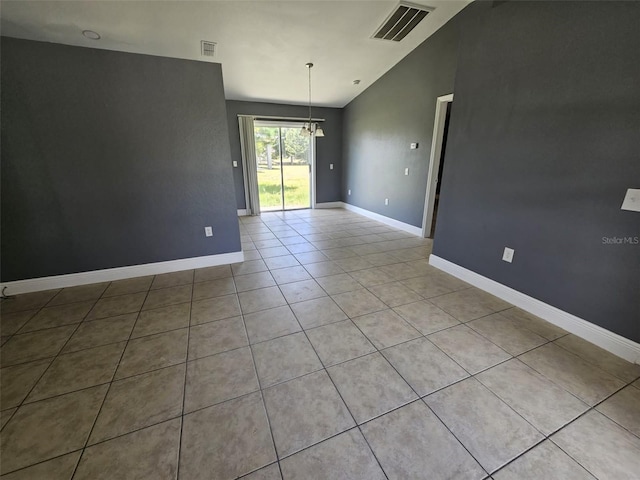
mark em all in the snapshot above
pixel 296 123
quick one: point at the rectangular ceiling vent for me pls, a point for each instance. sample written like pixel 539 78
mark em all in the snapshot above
pixel 208 48
pixel 404 18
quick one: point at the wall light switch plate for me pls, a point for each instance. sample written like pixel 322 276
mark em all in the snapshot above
pixel 331 166
pixel 349 192
pixel 406 171
pixel 235 163
pixel 632 200
pixel 386 201
pixel 414 146
pixel 507 256
pixel 208 231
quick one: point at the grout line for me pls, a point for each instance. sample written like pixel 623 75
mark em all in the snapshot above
pixel 184 384
pixel 115 371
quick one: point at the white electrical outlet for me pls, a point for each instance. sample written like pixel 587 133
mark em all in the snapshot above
pixel 414 146
pixel 406 171
pixel 386 201
pixel 235 163
pixel 632 200
pixel 331 166
pixel 507 256
pixel 349 192
pixel 208 231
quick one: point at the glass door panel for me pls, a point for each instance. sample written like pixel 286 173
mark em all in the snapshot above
pixel 295 168
pixel 269 167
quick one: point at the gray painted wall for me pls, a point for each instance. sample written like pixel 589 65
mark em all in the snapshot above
pixel 110 159
pixel 329 147
pixel 543 143
pixel 382 122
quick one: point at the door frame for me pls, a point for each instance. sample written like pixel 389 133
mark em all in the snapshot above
pixel 437 141
pixel 287 123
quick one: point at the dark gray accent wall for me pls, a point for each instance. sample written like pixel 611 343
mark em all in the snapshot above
pixel 543 143
pixel 110 159
pixel 329 147
pixel 382 122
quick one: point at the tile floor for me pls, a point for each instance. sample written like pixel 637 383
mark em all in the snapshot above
pixel 333 352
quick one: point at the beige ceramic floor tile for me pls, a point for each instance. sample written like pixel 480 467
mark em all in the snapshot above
pixel 130 285
pixel 532 395
pixel 605 449
pixel 272 472
pixel 358 302
pixel 58 316
pixel 212 273
pixel 113 306
pixel 272 323
pixel 219 378
pixel 507 334
pixel 317 312
pixel 624 409
pixel 262 299
pixel 472 351
pixel 344 456
pixel 215 337
pixel 533 323
pixel 424 366
pixel 226 440
pixel 167 296
pixel 385 328
pixel 412 443
pixel 82 369
pixel 426 317
pixel 290 274
pixel 153 352
pixel 148 453
pixel 305 411
pixel 339 342
pixel 35 345
pixel 607 361
pixel 253 281
pixel 35 433
pixel 80 293
pixel 492 432
pixel 544 461
pixel 572 373
pixel 213 288
pixel 213 309
pixel 162 319
pixel 370 386
pixel 284 358
pixel 101 332
pixel 395 294
pixel 60 468
pixel 172 279
pixel 140 401
pixel 16 382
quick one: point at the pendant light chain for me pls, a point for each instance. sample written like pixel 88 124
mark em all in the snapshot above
pixel 309 66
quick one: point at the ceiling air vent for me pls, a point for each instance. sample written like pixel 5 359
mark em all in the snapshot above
pixel 401 21
pixel 208 48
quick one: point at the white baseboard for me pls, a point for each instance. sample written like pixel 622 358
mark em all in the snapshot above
pixel 329 205
pixel 242 212
pixel 120 273
pixel 612 342
pixel 386 220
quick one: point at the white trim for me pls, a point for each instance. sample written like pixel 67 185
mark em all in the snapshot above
pixel 242 212
pixel 330 205
pixel 386 220
pixel 312 172
pixel 612 342
pixel 434 162
pixel 120 273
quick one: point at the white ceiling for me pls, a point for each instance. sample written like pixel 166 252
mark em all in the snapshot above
pixel 262 45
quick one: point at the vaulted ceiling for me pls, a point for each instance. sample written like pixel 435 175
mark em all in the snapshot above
pixel 263 46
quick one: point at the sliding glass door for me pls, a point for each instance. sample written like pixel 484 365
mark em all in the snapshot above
pixel 284 166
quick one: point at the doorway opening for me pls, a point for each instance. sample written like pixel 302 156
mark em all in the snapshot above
pixel 436 162
pixel 284 158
